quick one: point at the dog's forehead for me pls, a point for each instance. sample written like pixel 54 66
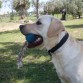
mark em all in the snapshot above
pixel 45 18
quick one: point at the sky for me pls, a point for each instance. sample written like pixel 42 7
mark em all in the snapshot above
pixel 6 7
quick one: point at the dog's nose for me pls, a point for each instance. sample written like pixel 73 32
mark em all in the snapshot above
pixel 21 26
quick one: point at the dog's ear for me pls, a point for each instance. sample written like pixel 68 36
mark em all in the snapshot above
pixel 55 28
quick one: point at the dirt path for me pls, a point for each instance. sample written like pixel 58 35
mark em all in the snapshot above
pixel 11 26
pixel 8 26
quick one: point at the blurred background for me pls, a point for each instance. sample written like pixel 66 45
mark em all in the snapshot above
pixel 37 64
pixel 15 10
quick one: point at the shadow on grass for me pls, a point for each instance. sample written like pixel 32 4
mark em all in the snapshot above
pixel 74 26
pixel 9 48
pixel 30 73
pixel 12 48
pixel 12 31
pixel 79 39
pixel 41 72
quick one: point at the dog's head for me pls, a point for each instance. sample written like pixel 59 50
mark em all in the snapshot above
pixel 45 27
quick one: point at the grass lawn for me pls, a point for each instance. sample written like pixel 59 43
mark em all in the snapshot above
pixel 37 66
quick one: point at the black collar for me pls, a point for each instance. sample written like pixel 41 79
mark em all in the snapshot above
pixel 63 40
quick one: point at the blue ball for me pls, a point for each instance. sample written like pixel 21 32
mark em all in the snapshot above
pixel 30 38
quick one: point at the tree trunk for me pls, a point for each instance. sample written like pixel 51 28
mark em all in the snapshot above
pixel 37 7
pixel 12 15
pixel 79 15
pixel 22 13
pixel 63 14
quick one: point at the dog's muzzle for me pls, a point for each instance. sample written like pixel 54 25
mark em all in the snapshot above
pixel 22 28
pixel 33 40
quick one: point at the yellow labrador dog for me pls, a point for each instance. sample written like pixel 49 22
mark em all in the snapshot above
pixel 66 52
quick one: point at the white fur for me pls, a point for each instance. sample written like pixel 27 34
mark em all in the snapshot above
pixel 68 60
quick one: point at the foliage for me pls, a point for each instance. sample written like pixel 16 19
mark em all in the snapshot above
pixel 74 7
pixel 0 4
pixel 49 7
pixel 36 5
pixel 53 6
pixel 21 6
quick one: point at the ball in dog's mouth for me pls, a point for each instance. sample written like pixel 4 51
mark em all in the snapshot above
pixel 33 40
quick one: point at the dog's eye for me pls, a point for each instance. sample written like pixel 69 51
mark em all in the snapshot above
pixel 38 23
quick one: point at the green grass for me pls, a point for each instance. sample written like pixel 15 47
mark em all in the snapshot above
pixel 37 66
pixel 6 19
pixel 75 27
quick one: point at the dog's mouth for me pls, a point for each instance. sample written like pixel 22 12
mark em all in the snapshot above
pixel 33 40
pixel 38 41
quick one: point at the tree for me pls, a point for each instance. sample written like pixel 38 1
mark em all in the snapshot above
pixel 49 8
pixel 75 7
pixel 21 7
pixel 36 5
pixel 53 6
pixel 0 4
pixel 79 5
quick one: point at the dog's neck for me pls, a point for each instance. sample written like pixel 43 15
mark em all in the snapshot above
pixel 51 42
pixel 65 50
